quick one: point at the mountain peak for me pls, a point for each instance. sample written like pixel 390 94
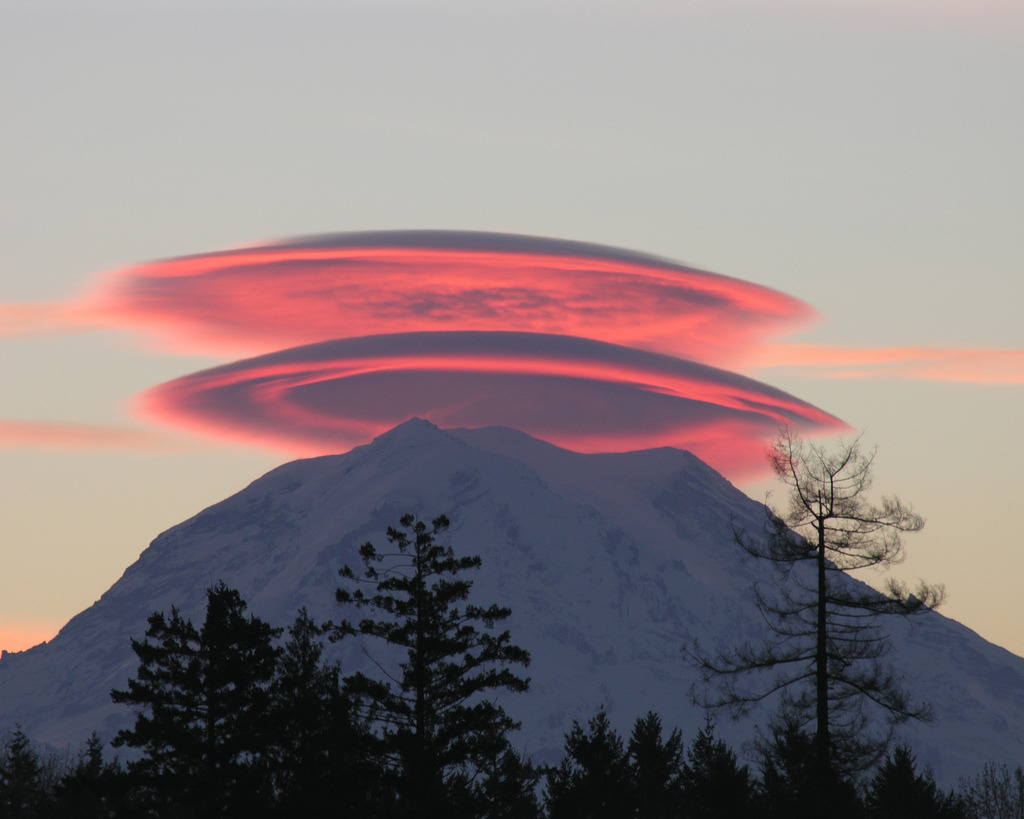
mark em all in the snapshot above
pixel 411 430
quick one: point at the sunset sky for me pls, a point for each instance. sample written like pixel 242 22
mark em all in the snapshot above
pixel 813 211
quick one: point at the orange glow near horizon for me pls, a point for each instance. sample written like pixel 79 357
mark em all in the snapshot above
pixel 25 635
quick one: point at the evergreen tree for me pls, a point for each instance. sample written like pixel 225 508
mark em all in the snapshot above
pixel 23 786
pixel 594 779
pixel 898 791
pixel 322 763
pixel 790 786
pixel 826 645
pixel 201 699
pixel 508 788
pixel 714 784
pixel 503 788
pixel 436 728
pixel 81 790
pixel 94 788
pixel 657 769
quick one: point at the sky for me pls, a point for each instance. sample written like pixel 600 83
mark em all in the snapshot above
pixel 812 212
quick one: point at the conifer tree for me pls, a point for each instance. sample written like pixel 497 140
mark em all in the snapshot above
pixel 201 699
pixel 593 778
pixel 898 791
pixel 714 784
pixel 507 788
pixel 790 785
pixel 826 647
pixel 93 788
pixel 437 727
pixel 322 763
pixel 23 789
pixel 656 767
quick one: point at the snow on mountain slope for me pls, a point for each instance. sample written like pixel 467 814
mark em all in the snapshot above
pixel 610 563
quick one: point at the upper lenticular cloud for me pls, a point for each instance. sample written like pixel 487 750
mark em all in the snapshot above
pixel 578 393
pixel 256 299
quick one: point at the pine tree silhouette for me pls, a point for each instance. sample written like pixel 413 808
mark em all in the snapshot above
pixel 437 728
pixel 200 699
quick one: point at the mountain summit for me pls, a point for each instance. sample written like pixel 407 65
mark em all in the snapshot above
pixel 610 563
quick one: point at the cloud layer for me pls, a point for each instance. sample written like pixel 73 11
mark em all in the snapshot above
pixel 590 347
pixel 342 286
pixel 578 393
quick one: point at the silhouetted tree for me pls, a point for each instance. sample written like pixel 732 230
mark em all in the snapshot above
pixel 714 784
pixel 201 698
pixel 437 728
pixel 24 791
pixel 503 788
pixel 826 644
pixel 790 781
pixel 593 778
pixel 995 793
pixel 898 791
pixel 93 788
pixel 322 763
pixel 656 768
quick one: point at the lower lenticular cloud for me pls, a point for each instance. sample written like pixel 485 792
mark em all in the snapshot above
pixel 579 393
pixel 257 299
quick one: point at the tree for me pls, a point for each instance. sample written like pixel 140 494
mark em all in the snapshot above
pixel 898 791
pixel 93 788
pixel 657 768
pixel 504 788
pixel 201 697
pixel 321 762
pixel 995 793
pixel 714 784
pixel 593 779
pixel 790 787
pixel 23 786
pixel 825 643
pixel 436 728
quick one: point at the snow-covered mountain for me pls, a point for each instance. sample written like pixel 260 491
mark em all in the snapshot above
pixel 610 563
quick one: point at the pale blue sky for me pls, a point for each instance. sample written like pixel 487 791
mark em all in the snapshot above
pixel 866 158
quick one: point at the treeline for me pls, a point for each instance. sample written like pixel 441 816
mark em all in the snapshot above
pixel 233 718
pixel 647 775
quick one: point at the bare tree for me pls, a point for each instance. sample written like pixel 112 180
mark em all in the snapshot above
pixel 825 646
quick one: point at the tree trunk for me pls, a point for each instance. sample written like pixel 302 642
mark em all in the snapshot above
pixel 822 739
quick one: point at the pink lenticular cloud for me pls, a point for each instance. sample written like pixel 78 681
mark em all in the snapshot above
pixel 582 394
pixel 262 298
pixel 466 329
